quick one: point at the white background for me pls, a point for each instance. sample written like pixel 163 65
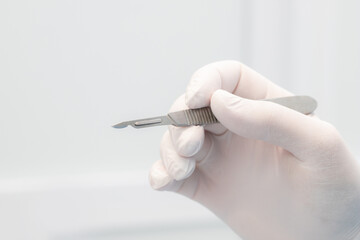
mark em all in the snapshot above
pixel 71 69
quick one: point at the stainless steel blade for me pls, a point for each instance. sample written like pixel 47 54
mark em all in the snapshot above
pixel 146 122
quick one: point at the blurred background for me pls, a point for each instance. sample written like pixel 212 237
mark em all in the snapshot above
pixel 69 70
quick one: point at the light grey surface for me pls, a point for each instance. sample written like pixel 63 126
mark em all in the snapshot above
pixel 180 231
pixel 100 206
pixel 71 69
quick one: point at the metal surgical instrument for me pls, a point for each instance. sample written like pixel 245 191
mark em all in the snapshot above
pixel 204 116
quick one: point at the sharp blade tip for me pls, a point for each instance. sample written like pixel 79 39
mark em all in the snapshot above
pixel 120 125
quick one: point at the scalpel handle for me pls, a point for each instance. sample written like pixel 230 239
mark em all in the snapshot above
pixel 204 116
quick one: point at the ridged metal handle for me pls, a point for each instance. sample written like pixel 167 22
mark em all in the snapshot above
pixel 204 116
pixel 199 116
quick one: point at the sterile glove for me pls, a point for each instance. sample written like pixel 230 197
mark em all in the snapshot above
pixel 268 171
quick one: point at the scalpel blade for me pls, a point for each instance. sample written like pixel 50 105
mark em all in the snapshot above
pixel 146 122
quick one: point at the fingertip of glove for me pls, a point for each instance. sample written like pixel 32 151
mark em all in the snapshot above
pixel 158 177
pixel 202 84
pixel 220 101
pixel 228 108
pixel 182 170
pixel 224 99
pixel 194 98
pixel 220 96
pixel 187 141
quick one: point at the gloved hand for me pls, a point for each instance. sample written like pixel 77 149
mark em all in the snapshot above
pixel 269 172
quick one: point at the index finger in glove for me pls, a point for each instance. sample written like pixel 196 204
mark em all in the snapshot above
pixel 233 77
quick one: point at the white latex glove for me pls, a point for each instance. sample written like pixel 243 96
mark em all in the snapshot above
pixel 269 172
